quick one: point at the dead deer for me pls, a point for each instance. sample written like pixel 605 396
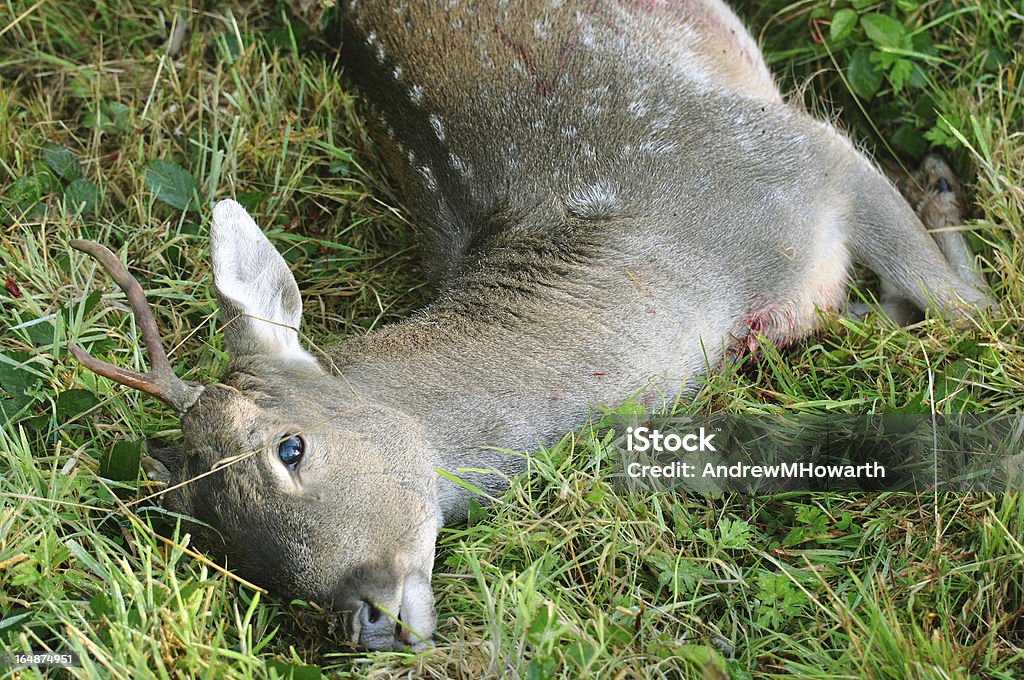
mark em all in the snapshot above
pixel 611 198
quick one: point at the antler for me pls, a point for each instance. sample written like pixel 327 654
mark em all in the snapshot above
pixel 160 381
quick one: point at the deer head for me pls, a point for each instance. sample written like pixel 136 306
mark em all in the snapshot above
pixel 303 485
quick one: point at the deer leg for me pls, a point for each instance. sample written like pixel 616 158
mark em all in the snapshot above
pixel 934 193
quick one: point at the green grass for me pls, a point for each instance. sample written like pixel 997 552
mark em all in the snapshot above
pixel 565 577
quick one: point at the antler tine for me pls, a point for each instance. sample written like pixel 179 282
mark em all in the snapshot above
pixel 160 382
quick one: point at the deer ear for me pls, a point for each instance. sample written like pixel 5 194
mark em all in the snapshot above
pixel 259 301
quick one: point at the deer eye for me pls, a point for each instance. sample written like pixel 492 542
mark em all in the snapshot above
pixel 290 451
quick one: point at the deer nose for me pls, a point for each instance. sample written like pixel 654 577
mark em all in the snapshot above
pixel 370 613
pixel 377 630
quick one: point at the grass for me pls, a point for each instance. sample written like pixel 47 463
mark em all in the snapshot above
pixel 565 577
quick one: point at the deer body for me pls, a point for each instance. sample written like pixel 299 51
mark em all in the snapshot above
pixel 550 159
pixel 612 198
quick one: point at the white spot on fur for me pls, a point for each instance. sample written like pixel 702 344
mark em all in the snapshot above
pixel 638 108
pixel 428 175
pixel 460 165
pixel 435 123
pixel 656 147
pixel 416 94
pixel 593 201
pixel 664 123
pixel 397 73
pixel 587 37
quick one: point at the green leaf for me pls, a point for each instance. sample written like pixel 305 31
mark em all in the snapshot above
pixel 899 73
pixel 122 461
pixel 62 161
pixel 16 380
pixel 339 167
pixel 908 139
pixel 541 668
pixel 542 621
pixel 883 30
pixel 915 405
pixel 31 188
pixel 582 653
pixel 734 534
pixel 953 387
pixel 842 24
pixel 864 78
pixel 100 605
pixel 941 135
pixel 884 60
pixel 704 657
pixel 596 493
pixel 73 403
pixel 995 58
pixel 117 113
pixel 251 200
pixel 293 671
pixel 780 600
pixel 813 517
pixel 468 486
pixel 26 574
pixel 171 183
pixel 18 386
pixel 282 36
pixel 795 537
pixel 109 117
pixel 39 332
pixel 81 197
